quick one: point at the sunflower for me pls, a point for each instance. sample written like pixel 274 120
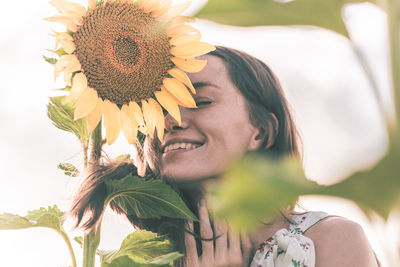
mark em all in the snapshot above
pixel 126 61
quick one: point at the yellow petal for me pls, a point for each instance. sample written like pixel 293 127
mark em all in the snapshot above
pixel 67 6
pixel 62 36
pixel 163 7
pixel 178 90
pixel 93 118
pixel 138 115
pixel 66 41
pixel 66 63
pixel 85 103
pixel 75 18
pixel 112 121
pixel 148 5
pixel 159 116
pixel 128 124
pixel 189 64
pixel 174 11
pixel 193 49
pixel 179 21
pixel 79 85
pixel 182 77
pixel 149 117
pixel 169 103
pixel 183 39
pixel 180 30
pixel 67 78
pixel 92 4
pixel 68 23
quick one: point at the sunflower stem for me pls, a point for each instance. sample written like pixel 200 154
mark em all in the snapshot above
pixel 85 154
pixel 71 250
pixel 90 243
pixel 92 239
pixel 97 144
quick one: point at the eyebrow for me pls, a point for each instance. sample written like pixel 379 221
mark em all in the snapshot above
pixel 203 84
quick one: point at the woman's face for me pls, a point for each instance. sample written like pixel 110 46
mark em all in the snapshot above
pixel 211 136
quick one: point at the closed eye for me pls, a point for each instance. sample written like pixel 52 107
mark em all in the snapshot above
pixel 202 103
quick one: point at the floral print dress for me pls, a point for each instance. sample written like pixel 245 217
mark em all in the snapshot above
pixel 289 247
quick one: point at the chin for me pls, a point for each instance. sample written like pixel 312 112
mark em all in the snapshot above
pixel 186 175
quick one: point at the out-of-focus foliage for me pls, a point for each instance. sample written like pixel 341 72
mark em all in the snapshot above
pixel 147 198
pixel 256 187
pixel 51 217
pixel 322 13
pixel 141 248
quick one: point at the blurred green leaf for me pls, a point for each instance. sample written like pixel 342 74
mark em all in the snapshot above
pixel 147 198
pixel 51 217
pixel 165 259
pixel 69 169
pixel 10 221
pixel 50 60
pixel 256 188
pixel 321 13
pixel 61 113
pixel 142 248
pixel 376 189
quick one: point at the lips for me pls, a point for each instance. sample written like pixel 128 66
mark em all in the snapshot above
pixel 180 144
pixel 176 146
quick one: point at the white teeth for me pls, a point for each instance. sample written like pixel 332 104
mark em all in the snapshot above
pixel 175 146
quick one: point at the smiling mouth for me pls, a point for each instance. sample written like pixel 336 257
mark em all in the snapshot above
pixel 181 146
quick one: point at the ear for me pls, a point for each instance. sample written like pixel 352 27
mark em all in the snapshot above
pixel 265 134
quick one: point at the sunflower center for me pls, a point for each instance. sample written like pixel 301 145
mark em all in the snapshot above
pixel 124 52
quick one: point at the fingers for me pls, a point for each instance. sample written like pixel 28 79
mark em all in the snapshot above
pixel 221 243
pixel 246 248
pixel 206 233
pixel 235 253
pixel 191 258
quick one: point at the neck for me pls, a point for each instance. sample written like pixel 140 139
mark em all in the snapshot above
pixel 267 230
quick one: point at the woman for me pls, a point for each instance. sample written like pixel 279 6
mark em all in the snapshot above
pixel 241 108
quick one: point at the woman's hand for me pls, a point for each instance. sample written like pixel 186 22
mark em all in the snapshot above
pixel 234 255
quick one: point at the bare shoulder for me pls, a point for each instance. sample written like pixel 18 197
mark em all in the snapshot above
pixel 341 242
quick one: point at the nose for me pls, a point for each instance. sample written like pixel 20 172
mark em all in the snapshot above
pixel 172 125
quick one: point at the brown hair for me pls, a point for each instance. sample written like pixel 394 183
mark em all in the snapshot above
pixel 267 108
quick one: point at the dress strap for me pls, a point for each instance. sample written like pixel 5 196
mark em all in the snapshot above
pixel 302 222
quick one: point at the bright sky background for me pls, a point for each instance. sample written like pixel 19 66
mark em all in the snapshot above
pixel 332 99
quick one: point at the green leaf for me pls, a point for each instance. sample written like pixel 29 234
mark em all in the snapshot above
pixel 142 248
pixel 376 189
pixel 60 52
pixel 79 240
pixel 50 60
pixel 51 217
pixel 69 169
pixel 322 13
pixel 10 221
pixel 61 113
pixel 147 198
pixel 165 259
pixel 256 188
pixel 120 262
